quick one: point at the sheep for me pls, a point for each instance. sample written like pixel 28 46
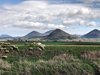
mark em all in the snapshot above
pixel 14 47
pixel 4 57
pixel 39 49
pixel 2 48
pixel 1 43
pixel 6 43
pixel 40 45
pixel 7 51
pixel 30 48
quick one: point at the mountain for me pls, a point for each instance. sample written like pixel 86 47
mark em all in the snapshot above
pixel 5 36
pixel 33 34
pixel 48 32
pixel 58 34
pixel 92 34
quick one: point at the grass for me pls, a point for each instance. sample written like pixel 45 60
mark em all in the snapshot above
pixel 51 51
pixel 58 65
pixel 71 43
pixel 56 43
pixel 56 60
pixel 4 65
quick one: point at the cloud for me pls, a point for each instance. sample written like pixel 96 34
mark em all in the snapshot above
pixel 37 25
pixel 41 15
pixel 78 21
pixel 92 3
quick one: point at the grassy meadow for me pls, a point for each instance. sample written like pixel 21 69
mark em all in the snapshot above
pixel 57 58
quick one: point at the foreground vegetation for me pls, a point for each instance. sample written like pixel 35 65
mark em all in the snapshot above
pixel 30 59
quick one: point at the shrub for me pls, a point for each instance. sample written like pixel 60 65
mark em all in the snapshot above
pixel 62 65
pixel 4 65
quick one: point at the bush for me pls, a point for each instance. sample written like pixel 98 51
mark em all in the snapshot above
pixel 4 65
pixel 62 65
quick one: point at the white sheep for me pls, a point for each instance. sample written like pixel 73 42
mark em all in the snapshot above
pixel 41 45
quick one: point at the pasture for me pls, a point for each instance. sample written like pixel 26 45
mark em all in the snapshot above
pixel 57 58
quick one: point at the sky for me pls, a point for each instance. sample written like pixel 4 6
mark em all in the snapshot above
pixel 19 17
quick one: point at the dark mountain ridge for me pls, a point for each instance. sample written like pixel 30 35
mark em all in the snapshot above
pixel 5 36
pixel 33 34
pixel 92 34
pixel 58 34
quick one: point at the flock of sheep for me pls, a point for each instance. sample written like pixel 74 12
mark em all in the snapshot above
pixel 6 48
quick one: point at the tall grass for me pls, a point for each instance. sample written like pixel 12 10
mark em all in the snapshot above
pixel 63 64
pixel 56 60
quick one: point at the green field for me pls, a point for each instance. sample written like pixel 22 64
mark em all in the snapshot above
pixel 58 58
pixel 71 43
pixel 59 43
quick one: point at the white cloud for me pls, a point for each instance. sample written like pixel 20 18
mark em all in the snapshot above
pixel 40 15
pixel 36 25
pixel 78 21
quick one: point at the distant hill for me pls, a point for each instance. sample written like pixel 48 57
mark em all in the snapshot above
pixel 92 34
pixel 33 34
pixel 58 34
pixel 48 32
pixel 5 36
